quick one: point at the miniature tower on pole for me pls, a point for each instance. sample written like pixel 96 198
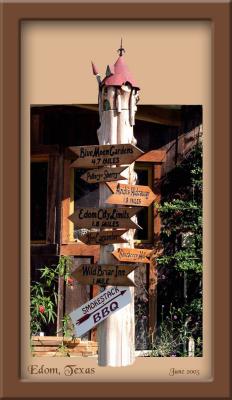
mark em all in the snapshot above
pixel 118 96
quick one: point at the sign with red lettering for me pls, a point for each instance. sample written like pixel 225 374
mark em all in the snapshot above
pixel 99 308
pixel 130 195
pixel 132 255
pixel 104 274
pixel 105 174
pixel 104 237
pixel 100 218
pixel 104 155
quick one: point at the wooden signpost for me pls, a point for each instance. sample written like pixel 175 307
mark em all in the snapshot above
pixel 116 333
pixel 104 155
pixel 130 195
pixel 105 174
pixel 104 237
pixel 132 255
pixel 104 274
pixel 100 218
pixel 99 308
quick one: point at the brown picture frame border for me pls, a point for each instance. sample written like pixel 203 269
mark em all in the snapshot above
pixel 12 13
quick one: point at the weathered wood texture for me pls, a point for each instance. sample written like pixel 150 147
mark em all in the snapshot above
pixel 104 174
pixel 153 156
pixel 67 247
pixel 102 217
pixel 59 198
pixel 179 147
pixel 130 195
pixel 65 207
pixel 81 249
pixel 105 155
pixel 104 237
pixel 104 274
pixel 156 114
pixel 132 255
pixel 77 294
pixel 53 187
pixel 42 249
pixel 68 294
pixel 152 289
pixel 52 346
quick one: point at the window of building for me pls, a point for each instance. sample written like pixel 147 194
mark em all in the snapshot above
pixel 82 194
pixel 145 217
pixel 39 181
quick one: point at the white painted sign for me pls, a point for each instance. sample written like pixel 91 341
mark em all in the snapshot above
pixel 99 308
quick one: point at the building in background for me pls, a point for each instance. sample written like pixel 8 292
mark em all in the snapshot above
pixel 166 134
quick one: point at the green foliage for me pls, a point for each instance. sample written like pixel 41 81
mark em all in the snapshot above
pixel 44 295
pixel 180 266
pixel 176 330
pixel 67 331
pixel 181 215
pixel 67 327
pixel 183 260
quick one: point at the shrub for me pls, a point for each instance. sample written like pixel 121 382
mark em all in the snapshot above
pixel 44 294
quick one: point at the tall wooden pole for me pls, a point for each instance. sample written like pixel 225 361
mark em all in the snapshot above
pixel 117 107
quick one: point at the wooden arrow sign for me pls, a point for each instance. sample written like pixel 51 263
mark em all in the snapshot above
pixel 99 308
pixel 130 195
pixel 105 174
pixel 104 274
pixel 105 155
pixel 101 218
pixel 132 255
pixel 104 237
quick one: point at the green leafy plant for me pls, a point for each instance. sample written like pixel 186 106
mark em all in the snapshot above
pixel 180 266
pixel 67 332
pixel 44 295
pixel 175 331
pixel 42 307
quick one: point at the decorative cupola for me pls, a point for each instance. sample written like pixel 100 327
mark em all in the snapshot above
pixel 118 94
pixel 119 74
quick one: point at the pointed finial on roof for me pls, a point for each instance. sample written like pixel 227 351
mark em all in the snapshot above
pixel 94 68
pixel 96 73
pixel 121 50
pixel 109 70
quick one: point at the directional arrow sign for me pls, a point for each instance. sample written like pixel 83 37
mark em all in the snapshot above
pixel 104 155
pixel 132 255
pixel 100 218
pixel 104 274
pixel 104 237
pixel 99 308
pixel 105 174
pixel 130 195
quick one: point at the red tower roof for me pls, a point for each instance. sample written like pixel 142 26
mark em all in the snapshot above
pixel 120 75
